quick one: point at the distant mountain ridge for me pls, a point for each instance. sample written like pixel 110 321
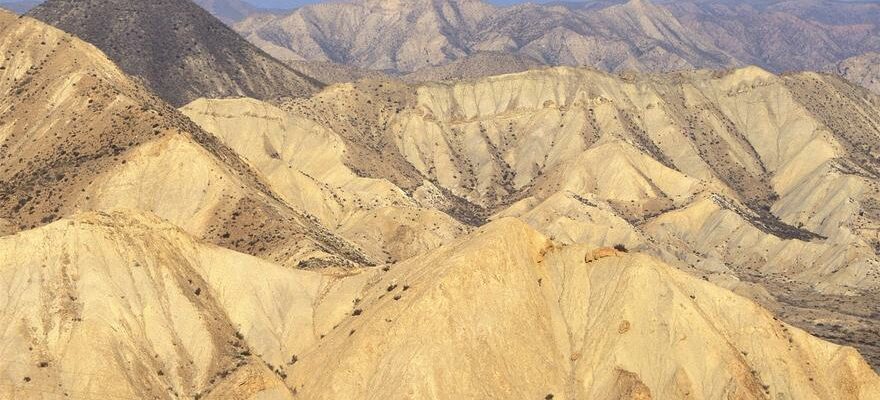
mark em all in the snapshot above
pixel 404 36
pixel 177 48
pixel 785 35
pixel 660 36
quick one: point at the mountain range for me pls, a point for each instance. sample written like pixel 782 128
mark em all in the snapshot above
pixel 403 36
pixel 615 36
pixel 689 167
pixel 405 214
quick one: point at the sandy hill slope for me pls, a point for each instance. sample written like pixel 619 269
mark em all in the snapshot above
pixel 79 134
pixel 405 36
pixel 179 50
pixel 120 305
pixel 123 310
pixel 863 70
pixel 760 182
pixel 503 313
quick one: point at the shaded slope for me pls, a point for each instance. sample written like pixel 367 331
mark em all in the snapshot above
pixel 179 50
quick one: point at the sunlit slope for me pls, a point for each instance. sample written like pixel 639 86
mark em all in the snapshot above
pixel 503 313
pixel 739 176
pixel 122 304
pixel 790 156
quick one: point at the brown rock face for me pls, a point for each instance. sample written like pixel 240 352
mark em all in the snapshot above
pixel 600 253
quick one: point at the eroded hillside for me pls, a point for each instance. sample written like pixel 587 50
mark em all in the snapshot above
pixel 305 163
pixel 749 179
pixel 556 233
pixel 78 134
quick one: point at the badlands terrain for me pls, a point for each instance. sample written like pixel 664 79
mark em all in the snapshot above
pixel 473 224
